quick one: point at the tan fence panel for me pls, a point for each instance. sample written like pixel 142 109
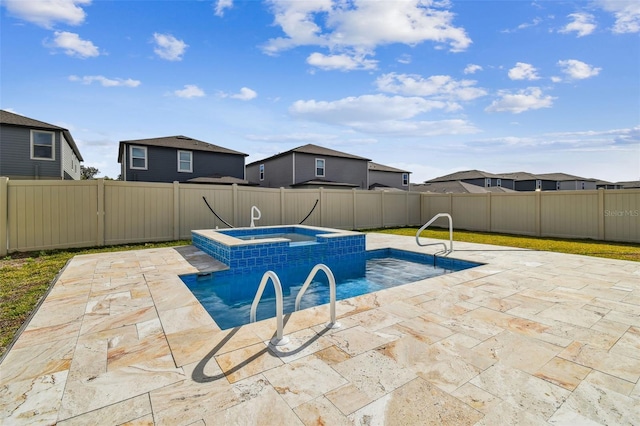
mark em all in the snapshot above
pixel 267 200
pixel 470 211
pixel 138 211
pixel 622 215
pixel 432 204
pixel 194 213
pixel 415 209
pixel 52 214
pixel 4 183
pixel 337 208
pixel 395 208
pixel 513 213
pixel 298 203
pixel 368 209
pixel 569 214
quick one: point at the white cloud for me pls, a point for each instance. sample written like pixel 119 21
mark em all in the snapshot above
pixel 626 12
pixel 46 13
pixel 523 100
pixel 348 25
pixel 583 24
pixel 404 59
pixel 245 94
pixel 73 45
pixel 168 47
pixel 578 70
pixel 341 62
pixel 523 71
pixel 534 23
pixel 437 86
pixel 190 91
pixel 104 81
pixel 472 69
pixel 221 5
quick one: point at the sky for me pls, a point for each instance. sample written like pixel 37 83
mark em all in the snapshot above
pixel 428 86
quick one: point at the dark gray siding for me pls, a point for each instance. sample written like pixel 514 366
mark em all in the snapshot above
pixel 504 183
pixel 344 170
pixel 278 172
pixel 530 185
pixel 390 179
pixel 162 165
pixel 15 156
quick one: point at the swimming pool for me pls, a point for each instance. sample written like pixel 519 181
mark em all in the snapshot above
pixel 227 296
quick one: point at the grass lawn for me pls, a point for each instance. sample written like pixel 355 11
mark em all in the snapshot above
pixel 26 277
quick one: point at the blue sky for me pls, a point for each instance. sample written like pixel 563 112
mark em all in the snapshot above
pixel 428 86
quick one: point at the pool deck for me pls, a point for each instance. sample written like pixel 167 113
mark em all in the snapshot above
pixel 528 338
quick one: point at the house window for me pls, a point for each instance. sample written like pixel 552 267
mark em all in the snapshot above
pixel 138 157
pixel 499 183
pixel 557 186
pixel 185 161
pixel 319 167
pixel 487 182
pixel 42 145
pixel 582 185
pixel 538 184
pixel 261 171
pixel 405 179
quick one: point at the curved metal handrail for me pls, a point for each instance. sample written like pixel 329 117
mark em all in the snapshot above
pixel 280 339
pixel 254 209
pixel 332 292
pixel 433 219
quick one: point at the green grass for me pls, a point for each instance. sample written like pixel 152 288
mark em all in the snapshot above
pixel 26 277
pixel 624 251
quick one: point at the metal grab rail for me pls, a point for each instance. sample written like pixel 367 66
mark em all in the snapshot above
pixel 254 209
pixel 433 219
pixel 332 292
pixel 279 339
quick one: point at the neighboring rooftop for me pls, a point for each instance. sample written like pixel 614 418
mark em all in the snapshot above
pixel 12 119
pixel 314 150
pixel 382 168
pixel 561 177
pixel 456 187
pixel 466 174
pixel 179 142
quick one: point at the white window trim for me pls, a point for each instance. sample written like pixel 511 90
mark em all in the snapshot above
pixel 261 171
pixel 499 183
pixel 146 157
pixel 405 182
pixel 53 146
pixel 190 162
pixel 538 184
pixel 324 167
pixel 487 182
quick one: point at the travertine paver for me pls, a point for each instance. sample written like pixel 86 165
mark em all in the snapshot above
pixel 528 338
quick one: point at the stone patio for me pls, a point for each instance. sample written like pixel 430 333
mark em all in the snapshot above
pixel 528 338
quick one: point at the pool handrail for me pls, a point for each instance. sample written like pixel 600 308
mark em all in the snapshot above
pixel 433 219
pixel 254 209
pixel 280 339
pixel 332 292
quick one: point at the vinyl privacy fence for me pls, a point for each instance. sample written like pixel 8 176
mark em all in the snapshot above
pixel 40 215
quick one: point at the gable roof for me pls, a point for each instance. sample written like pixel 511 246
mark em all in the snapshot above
pixel 178 142
pixel 313 150
pixel 382 168
pixel 519 176
pixel 11 119
pixel 563 177
pixel 456 187
pixel 466 174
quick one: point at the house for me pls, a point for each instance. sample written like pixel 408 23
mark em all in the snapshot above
pixel 569 182
pixel 311 166
pixel 179 158
pixel 478 178
pixel 603 184
pixel 632 184
pixel 33 149
pixel 524 181
pixel 386 177
pixel 456 187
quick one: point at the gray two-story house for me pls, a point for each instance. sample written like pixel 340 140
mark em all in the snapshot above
pixel 478 178
pixel 33 149
pixel 181 159
pixel 310 166
pixel 387 177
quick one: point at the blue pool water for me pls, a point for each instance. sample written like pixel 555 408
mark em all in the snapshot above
pixel 294 237
pixel 228 296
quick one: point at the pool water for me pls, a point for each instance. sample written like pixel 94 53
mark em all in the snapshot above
pixel 294 237
pixel 228 297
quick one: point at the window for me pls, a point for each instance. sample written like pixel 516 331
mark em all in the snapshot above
pixel 261 171
pixel 487 182
pixel 538 184
pixel 319 167
pixel 582 185
pixel 499 183
pixel 138 157
pixel 405 179
pixel 185 161
pixel 557 186
pixel 42 145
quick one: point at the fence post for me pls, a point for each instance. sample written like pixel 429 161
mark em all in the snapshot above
pixel 321 197
pixel 538 217
pixel 4 207
pixel 176 210
pixel 382 207
pixel 488 224
pixel 100 213
pixel 601 234
pixel 355 211
pixel 234 200
pixel 282 206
